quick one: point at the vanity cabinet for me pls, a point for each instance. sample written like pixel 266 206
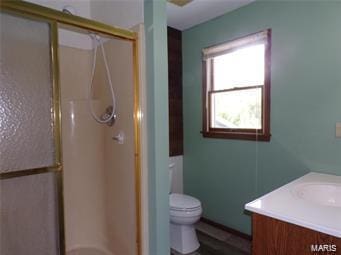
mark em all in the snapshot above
pixel 274 237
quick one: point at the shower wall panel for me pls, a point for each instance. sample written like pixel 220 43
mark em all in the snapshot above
pixel 75 72
pixel 119 158
pixel 83 157
pixel 99 173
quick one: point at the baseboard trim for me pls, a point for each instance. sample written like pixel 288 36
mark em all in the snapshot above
pixel 227 229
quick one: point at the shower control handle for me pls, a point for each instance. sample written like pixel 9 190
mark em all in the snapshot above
pixel 119 137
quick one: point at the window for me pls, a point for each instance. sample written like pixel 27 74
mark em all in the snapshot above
pixel 236 88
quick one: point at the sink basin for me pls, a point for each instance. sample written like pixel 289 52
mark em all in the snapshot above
pixel 312 201
pixel 326 194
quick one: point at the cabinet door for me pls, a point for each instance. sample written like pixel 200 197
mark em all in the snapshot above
pixel 271 236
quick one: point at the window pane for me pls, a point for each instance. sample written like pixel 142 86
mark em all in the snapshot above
pixel 240 109
pixel 240 68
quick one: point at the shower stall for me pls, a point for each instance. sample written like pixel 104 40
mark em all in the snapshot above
pixel 69 130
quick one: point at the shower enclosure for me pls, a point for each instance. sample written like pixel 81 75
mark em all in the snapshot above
pixel 69 184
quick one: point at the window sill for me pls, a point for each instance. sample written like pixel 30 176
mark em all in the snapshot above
pixel 237 136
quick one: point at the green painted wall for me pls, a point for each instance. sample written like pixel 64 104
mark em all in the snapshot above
pixel 305 105
pixel 157 117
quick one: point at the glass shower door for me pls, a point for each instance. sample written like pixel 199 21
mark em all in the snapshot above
pixel 29 136
pixel 26 102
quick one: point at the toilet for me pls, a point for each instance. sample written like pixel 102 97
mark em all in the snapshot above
pixel 185 211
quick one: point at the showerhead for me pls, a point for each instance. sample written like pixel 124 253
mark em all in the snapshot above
pixel 69 10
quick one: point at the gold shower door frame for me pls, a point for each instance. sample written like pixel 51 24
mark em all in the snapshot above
pixel 53 17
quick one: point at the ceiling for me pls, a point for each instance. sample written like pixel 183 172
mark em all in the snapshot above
pixel 199 11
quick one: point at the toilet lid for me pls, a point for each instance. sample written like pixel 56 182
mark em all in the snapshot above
pixel 183 202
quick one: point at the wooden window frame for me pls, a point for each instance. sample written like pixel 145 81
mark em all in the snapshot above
pixel 262 134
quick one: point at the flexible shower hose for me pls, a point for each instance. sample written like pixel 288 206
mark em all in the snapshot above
pixel 97 40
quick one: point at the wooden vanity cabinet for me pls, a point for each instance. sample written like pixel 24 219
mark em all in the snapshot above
pixel 274 237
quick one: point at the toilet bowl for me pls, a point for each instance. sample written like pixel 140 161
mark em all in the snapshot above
pixel 184 212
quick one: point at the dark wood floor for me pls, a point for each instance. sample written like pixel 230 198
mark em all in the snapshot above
pixel 212 246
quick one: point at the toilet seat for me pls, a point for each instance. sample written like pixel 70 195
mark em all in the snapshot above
pixel 185 214
pixel 183 203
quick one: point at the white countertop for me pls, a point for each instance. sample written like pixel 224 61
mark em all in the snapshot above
pixel 284 204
